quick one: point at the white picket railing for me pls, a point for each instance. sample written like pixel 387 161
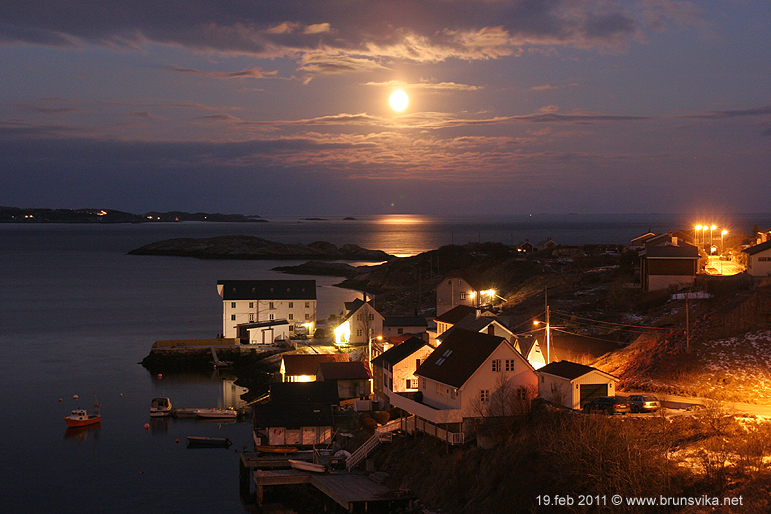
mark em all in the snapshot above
pixel 382 434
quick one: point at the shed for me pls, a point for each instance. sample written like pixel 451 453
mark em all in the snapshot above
pixel 572 385
pixel 352 378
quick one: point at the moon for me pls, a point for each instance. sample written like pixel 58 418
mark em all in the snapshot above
pixel 398 100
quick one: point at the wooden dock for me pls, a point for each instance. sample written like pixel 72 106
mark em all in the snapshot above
pixel 353 492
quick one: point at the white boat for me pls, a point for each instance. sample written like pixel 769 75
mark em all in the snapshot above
pixel 228 413
pixel 160 407
pixel 307 466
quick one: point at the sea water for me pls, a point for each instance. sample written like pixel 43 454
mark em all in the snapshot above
pixel 77 315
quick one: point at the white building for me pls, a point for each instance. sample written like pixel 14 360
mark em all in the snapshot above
pixel 360 324
pixel 759 259
pixel 254 301
pixel 573 385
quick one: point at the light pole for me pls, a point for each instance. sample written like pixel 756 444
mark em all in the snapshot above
pixel 713 227
pixel 722 241
pixel 696 233
pixel 703 236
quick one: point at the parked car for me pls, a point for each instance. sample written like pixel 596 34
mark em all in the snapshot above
pixel 608 405
pixel 644 403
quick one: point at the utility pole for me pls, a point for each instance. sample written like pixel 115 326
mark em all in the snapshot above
pixel 548 331
pixel 687 323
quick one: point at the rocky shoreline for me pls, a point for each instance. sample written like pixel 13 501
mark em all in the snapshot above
pixel 250 247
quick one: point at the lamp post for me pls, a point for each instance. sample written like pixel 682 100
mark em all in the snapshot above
pixel 713 227
pixel 696 233
pixel 722 241
pixel 704 235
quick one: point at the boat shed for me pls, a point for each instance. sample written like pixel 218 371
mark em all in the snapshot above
pixel 572 385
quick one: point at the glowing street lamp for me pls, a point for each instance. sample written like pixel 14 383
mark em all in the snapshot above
pixel 722 241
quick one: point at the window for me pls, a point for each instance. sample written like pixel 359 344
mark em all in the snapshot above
pixel 291 305
pixel 372 317
pixel 400 330
pixel 422 383
pixel 509 364
pixel 232 317
pixel 358 332
pixel 291 328
pixel 232 305
pixel 359 317
pixel 463 296
pixel 409 384
pixel 307 305
pixel 251 305
pixel 271 305
pixel 460 282
pixel 270 317
pixel 251 317
pixel 307 317
pixel 453 393
pixel 291 316
pixel 449 283
pixel 484 395
pixel 496 364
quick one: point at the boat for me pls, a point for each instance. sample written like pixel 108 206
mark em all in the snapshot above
pixel 307 466
pixel 160 407
pixel 275 449
pixel 81 418
pixel 228 413
pixel 208 442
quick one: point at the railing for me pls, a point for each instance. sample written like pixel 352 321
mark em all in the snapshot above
pixel 382 434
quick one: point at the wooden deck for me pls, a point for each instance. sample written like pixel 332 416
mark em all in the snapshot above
pixel 348 490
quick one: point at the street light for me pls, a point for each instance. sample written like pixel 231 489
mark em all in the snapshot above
pixel 713 227
pixel 696 233
pixel 704 235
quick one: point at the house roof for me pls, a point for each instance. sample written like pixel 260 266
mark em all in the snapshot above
pixel 296 393
pixel 456 314
pixel 353 305
pixel 308 363
pixel 682 251
pixel 343 371
pixel 569 370
pixel 267 289
pixel 752 250
pixel 400 352
pixel 471 322
pixel 269 323
pixel 458 357
pixel 640 240
pixel 302 415
pixel 418 321
pixel 471 277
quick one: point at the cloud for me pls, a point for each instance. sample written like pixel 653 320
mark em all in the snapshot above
pixel 329 31
pixel 425 86
pixel 736 113
pixel 254 73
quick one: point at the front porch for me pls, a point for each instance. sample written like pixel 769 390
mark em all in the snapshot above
pixel 444 424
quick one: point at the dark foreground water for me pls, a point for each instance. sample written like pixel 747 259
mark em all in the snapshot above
pixel 77 315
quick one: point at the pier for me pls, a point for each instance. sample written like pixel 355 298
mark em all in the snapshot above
pixel 355 492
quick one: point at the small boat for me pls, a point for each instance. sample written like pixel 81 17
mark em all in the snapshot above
pixel 81 418
pixel 307 466
pixel 228 413
pixel 275 449
pixel 208 442
pixel 160 407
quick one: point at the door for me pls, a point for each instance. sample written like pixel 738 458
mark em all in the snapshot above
pixel 591 391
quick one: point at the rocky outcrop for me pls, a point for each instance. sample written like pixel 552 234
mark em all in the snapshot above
pixel 249 247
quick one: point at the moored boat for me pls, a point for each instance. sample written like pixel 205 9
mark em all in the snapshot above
pixel 307 466
pixel 160 407
pixel 208 442
pixel 229 413
pixel 81 418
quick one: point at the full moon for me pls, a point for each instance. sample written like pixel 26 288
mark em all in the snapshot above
pixel 399 100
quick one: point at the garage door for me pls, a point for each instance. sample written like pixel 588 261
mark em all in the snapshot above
pixel 591 391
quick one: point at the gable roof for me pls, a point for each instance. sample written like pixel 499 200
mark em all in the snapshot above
pixel 297 393
pixel 456 314
pixel 302 415
pixel 396 321
pixel 682 251
pixel 752 250
pixel 307 363
pixel 458 357
pixel 267 289
pixel 400 352
pixel 640 240
pixel 344 371
pixel 472 278
pixel 570 370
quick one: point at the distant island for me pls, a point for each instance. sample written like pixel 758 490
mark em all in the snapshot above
pixel 34 215
pixel 250 247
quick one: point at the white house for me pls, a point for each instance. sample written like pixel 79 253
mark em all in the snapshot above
pixel 460 288
pixel 394 370
pixel 396 326
pixel 253 301
pixel 759 259
pixel 464 379
pixel 360 323
pixel 572 385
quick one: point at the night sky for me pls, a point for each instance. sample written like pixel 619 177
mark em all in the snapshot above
pixel 281 107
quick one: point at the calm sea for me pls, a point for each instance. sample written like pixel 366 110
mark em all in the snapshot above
pixel 77 315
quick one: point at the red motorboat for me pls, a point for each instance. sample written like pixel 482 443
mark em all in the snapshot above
pixel 81 418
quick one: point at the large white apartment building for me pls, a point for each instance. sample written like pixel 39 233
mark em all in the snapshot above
pixel 246 302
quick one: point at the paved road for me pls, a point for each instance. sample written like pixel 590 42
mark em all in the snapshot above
pixel 717 267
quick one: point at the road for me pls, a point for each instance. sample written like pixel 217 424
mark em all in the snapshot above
pixel 726 268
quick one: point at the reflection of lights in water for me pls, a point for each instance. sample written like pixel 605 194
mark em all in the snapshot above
pixel 397 219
